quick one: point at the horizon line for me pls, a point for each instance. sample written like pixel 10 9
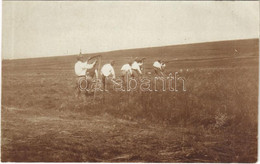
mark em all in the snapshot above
pixel 116 50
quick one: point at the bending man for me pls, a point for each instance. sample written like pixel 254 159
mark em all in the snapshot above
pixel 107 71
pixel 158 67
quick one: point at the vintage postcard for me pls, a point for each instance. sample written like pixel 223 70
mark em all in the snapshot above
pixel 130 81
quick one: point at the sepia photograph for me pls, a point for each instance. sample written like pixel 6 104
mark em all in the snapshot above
pixel 130 81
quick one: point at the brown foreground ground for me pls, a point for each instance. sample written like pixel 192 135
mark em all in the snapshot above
pixel 215 120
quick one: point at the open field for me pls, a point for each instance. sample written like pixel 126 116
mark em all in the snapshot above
pixel 215 120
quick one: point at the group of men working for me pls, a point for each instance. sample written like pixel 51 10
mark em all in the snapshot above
pixel 133 69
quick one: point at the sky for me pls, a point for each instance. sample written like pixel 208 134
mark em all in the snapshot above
pixel 54 28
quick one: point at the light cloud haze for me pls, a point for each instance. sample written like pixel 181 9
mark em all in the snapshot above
pixel 53 28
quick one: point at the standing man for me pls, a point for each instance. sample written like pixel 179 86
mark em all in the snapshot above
pixel 81 67
pixel 80 70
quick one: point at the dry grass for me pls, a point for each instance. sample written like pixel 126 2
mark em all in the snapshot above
pixel 215 120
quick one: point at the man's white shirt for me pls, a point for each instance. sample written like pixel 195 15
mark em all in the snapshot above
pixel 136 66
pixel 81 68
pixel 157 64
pixel 127 68
pixel 108 70
pixel 163 66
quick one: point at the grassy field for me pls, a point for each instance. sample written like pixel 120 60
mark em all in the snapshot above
pixel 215 120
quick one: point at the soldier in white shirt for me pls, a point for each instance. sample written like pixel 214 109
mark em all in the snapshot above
pixel 136 68
pixel 159 67
pixel 126 70
pixel 80 70
pixel 107 71
pixel 81 67
pixel 163 66
pixel 141 65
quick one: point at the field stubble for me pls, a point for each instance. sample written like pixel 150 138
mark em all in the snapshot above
pixel 215 120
